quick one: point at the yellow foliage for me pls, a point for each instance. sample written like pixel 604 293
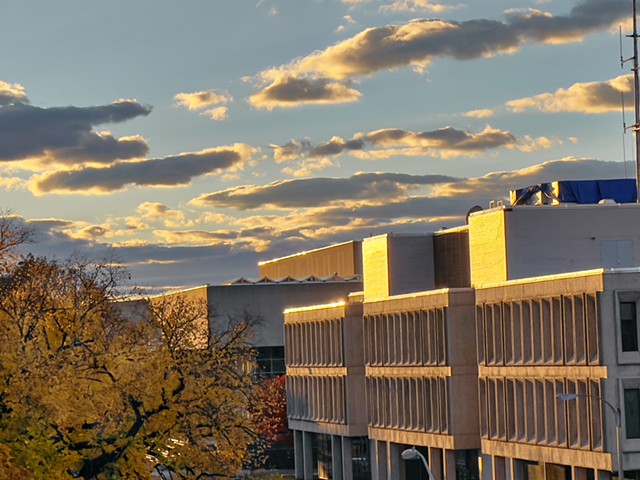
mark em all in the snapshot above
pixel 99 395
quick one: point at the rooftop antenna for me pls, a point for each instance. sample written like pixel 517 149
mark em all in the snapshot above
pixel 636 98
pixel 624 120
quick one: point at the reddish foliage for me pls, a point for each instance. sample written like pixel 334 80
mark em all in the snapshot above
pixel 269 412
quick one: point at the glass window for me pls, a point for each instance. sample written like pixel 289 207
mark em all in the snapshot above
pixel 270 361
pixel 628 327
pixel 632 412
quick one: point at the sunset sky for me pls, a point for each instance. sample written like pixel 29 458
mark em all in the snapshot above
pixel 193 138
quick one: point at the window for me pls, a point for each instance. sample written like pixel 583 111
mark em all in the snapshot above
pixel 632 412
pixel 628 327
pixel 270 361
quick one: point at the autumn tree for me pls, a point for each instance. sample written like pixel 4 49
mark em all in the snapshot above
pixel 90 389
pixel 14 233
pixel 269 411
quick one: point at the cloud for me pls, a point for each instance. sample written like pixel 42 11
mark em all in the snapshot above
pixel 165 171
pixel 320 77
pixel 203 99
pixel 11 93
pixel 482 113
pixel 415 6
pixel 237 239
pixel 591 97
pixel 308 167
pixel 311 213
pixel 318 191
pixel 155 211
pixel 288 91
pixel 157 266
pixel 219 113
pixel 65 135
pixel 446 139
pixel 444 142
pixel 497 184
pixel 348 21
pixel 8 183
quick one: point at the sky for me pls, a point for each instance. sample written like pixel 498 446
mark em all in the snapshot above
pixel 190 140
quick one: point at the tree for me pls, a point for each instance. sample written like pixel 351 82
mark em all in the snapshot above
pixel 90 390
pixel 13 234
pixel 269 411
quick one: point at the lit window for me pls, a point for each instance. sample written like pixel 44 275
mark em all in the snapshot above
pixel 628 326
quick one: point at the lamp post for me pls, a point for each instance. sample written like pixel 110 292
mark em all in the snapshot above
pixel 413 454
pixel 565 397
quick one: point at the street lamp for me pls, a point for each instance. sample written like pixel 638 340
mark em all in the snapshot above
pixel 413 454
pixel 565 397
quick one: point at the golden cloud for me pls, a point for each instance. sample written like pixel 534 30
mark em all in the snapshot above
pixel 203 99
pixel 591 97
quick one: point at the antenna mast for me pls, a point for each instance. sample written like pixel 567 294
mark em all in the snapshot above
pixel 636 97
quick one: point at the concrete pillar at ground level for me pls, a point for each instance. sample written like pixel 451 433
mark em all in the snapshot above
pixel 347 459
pixel 307 453
pixel 394 460
pixel 449 465
pixel 298 457
pixel 378 460
pixel 336 457
pixel 435 462
pixel 486 467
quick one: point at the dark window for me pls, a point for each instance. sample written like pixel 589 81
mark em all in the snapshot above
pixel 632 412
pixel 360 455
pixel 628 326
pixel 467 464
pixel 270 361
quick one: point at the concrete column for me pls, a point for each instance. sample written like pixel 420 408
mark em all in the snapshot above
pixel 378 460
pixel 486 464
pixel 298 457
pixel 307 453
pixel 435 462
pixel 449 465
pixel 347 459
pixel 394 460
pixel 336 457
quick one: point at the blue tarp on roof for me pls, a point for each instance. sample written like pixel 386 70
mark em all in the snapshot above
pixel 620 190
pixel 579 191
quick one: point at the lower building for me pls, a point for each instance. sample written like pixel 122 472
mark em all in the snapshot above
pixel 326 390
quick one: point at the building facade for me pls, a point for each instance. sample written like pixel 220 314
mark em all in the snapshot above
pixel 326 388
pixel 469 335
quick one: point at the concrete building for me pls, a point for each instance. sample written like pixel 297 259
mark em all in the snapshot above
pixel 464 352
pixel 343 259
pixel 302 279
pixel 325 389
